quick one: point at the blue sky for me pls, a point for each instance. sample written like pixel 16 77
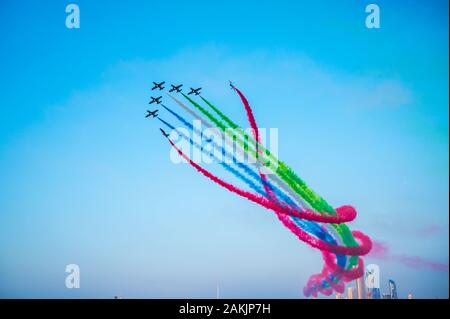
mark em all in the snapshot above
pixel 362 117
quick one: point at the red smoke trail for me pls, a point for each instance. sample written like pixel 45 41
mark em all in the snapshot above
pixel 255 133
pixel 330 267
pixel 250 116
pixel 332 274
pixel 342 212
pixel 382 251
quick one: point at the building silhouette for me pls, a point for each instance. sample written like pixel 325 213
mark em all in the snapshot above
pixel 350 293
pixel 360 288
pixel 373 293
pixel 392 289
pixel 360 292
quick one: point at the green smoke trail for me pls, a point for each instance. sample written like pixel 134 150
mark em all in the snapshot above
pixel 282 170
pixel 299 186
pixel 315 200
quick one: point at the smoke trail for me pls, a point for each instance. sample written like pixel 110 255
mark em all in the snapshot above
pixel 347 214
pixel 229 156
pixel 284 172
pixel 309 226
pixel 242 141
pixel 299 186
pixel 255 132
pixel 192 112
pixel 221 115
pixel 313 199
pixel 272 177
pixel 206 113
pixel 297 219
pixel 283 213
pixel 282 169
pixel 382 251
pixel 230 169
pixel 327 275
pixel 250 116
pixel 303 224
pixel 208 124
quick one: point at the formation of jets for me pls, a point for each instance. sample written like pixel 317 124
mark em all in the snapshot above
pixel 174 88
pixel 195 91
pixel 156 100
pixel 158 86
pixel 152 113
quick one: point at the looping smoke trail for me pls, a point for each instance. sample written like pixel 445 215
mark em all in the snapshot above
pixel 342 230
pixel 353 251
pixel 293 202
pixel 344 214
pixel 310 227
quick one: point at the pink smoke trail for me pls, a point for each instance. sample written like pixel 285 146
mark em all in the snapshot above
pixel 250 116
pixel 362 249
pixel 255 133
pixel 382 251
pixel 329 268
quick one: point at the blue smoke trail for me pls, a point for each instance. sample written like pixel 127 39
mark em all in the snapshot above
pixel 309 226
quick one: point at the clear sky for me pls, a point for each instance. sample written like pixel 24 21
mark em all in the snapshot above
pixel 362 116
